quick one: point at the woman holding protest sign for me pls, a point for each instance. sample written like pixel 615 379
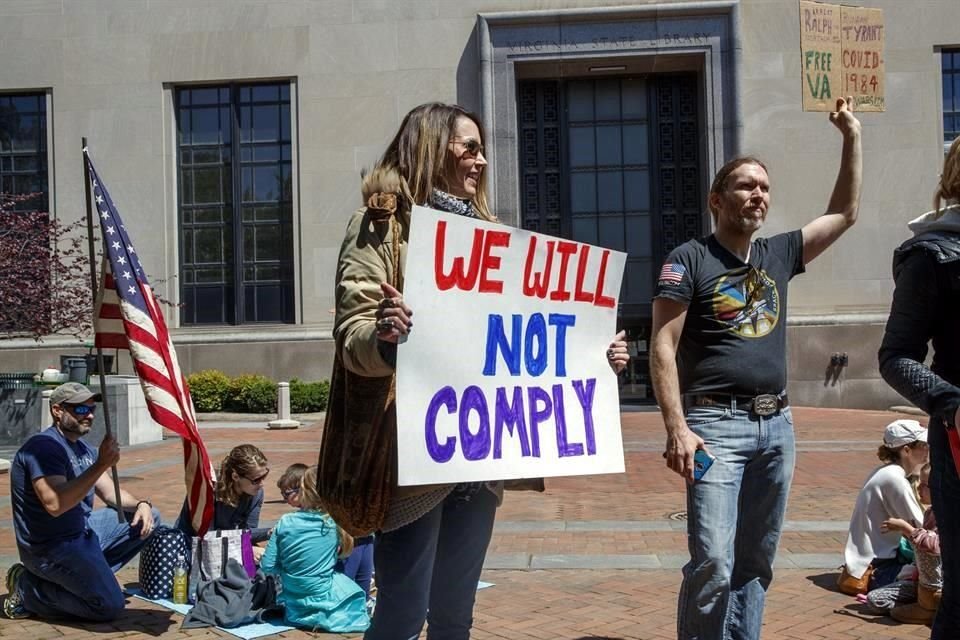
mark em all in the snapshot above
pixel 431 539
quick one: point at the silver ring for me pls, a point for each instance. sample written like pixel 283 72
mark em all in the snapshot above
pixel 609 354
pixel 385 324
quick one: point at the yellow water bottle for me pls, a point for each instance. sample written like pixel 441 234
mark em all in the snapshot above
pixel 180 581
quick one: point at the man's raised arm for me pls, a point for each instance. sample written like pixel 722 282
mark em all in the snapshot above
pixel 844 203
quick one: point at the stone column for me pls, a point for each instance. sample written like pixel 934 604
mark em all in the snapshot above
pixel 283 420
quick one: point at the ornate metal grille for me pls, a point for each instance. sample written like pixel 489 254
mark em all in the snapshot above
pixel 540 169
pixel 678 190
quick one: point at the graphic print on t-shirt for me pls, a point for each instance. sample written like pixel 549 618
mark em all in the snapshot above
pixel 747 302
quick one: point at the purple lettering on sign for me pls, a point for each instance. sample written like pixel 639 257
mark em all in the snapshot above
pixel 535 396
pixel 510 415
pixel 446 397
pixel 585 396
pixel 475 446
pixel 564 449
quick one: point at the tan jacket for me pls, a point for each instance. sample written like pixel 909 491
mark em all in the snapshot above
pixel 374 248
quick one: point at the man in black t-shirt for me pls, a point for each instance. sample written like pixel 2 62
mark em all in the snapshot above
pixel 718 363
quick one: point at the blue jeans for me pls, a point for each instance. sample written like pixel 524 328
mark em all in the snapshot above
pixel 735 513
pixel 358 566
pixel 74 578
pixel 429 569
pixel 945 491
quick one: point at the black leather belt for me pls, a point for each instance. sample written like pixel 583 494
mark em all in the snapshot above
pixel 765 404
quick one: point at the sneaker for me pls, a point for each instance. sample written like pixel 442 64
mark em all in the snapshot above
pixel 13 575
pixel 13 605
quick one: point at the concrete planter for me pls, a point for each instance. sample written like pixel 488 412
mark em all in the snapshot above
pixel 129 416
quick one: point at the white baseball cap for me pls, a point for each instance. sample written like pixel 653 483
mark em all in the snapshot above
pixel 901 432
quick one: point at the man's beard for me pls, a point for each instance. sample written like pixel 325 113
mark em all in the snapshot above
pixel 69 424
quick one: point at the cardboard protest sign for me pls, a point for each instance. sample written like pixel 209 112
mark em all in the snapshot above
pixel 820 55
pixel 862 57
pixel 504 374
pixel 841 54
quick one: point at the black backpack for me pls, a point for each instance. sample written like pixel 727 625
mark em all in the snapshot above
pixel 158 559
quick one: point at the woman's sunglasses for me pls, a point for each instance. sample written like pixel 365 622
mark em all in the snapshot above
pixel 260 479
pixel 289 493
pixel 80 410
pixel 470 146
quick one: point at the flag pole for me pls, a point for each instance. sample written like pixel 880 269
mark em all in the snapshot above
pixel 94 286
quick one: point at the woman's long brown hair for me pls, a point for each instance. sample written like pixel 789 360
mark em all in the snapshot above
pixel 420 154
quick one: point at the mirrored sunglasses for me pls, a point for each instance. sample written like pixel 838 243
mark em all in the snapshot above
pixel 80 410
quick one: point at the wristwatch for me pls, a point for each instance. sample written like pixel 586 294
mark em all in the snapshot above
pixel 146 502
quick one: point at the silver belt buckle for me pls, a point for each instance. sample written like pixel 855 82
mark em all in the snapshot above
pixel 766 404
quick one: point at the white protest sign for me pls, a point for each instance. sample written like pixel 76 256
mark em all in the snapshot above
pixel 504 374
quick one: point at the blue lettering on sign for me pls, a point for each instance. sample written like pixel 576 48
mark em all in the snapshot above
pixel 535 343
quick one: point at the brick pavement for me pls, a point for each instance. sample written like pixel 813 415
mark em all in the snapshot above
pixel 591 520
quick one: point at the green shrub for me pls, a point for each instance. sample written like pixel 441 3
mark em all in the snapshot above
pixel 253 393
pixel 307 397
pixel 209 389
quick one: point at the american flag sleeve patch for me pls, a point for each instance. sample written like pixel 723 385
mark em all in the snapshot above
pixel 672 273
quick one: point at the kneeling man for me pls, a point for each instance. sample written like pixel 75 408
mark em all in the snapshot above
pixel 68 551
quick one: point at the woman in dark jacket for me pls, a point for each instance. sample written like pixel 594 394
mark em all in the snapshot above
pixel 926 307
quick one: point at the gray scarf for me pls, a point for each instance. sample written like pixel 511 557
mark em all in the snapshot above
pixel 451 204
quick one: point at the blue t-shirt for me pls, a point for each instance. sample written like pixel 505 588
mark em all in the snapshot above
pixel 48 453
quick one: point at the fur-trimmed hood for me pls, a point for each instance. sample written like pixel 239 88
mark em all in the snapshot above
pixel 385 194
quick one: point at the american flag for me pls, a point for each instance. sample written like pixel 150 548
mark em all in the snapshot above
pixel 128 317
pixel 672 272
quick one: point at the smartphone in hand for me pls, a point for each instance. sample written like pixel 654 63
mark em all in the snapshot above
pixel 702 461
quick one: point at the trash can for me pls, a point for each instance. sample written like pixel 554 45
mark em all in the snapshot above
pixel 93 369
pixel 75 367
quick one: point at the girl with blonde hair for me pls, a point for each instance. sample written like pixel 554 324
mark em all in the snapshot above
pixel 303 552
pixel 926 305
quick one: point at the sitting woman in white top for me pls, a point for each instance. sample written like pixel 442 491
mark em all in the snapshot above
pixel 872 551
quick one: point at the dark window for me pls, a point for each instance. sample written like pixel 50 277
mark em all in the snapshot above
pixel 236 213
pixel 23 148
pixel 950 65
pixel 615 162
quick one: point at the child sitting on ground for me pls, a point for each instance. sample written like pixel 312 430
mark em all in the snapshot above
pixel 358 566
pixel 303 551
pixel 915 600
pixel 289 484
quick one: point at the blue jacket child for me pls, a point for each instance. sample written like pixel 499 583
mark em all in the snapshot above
pixel 303 552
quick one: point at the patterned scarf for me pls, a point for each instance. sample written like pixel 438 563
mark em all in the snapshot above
pixel 451 204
